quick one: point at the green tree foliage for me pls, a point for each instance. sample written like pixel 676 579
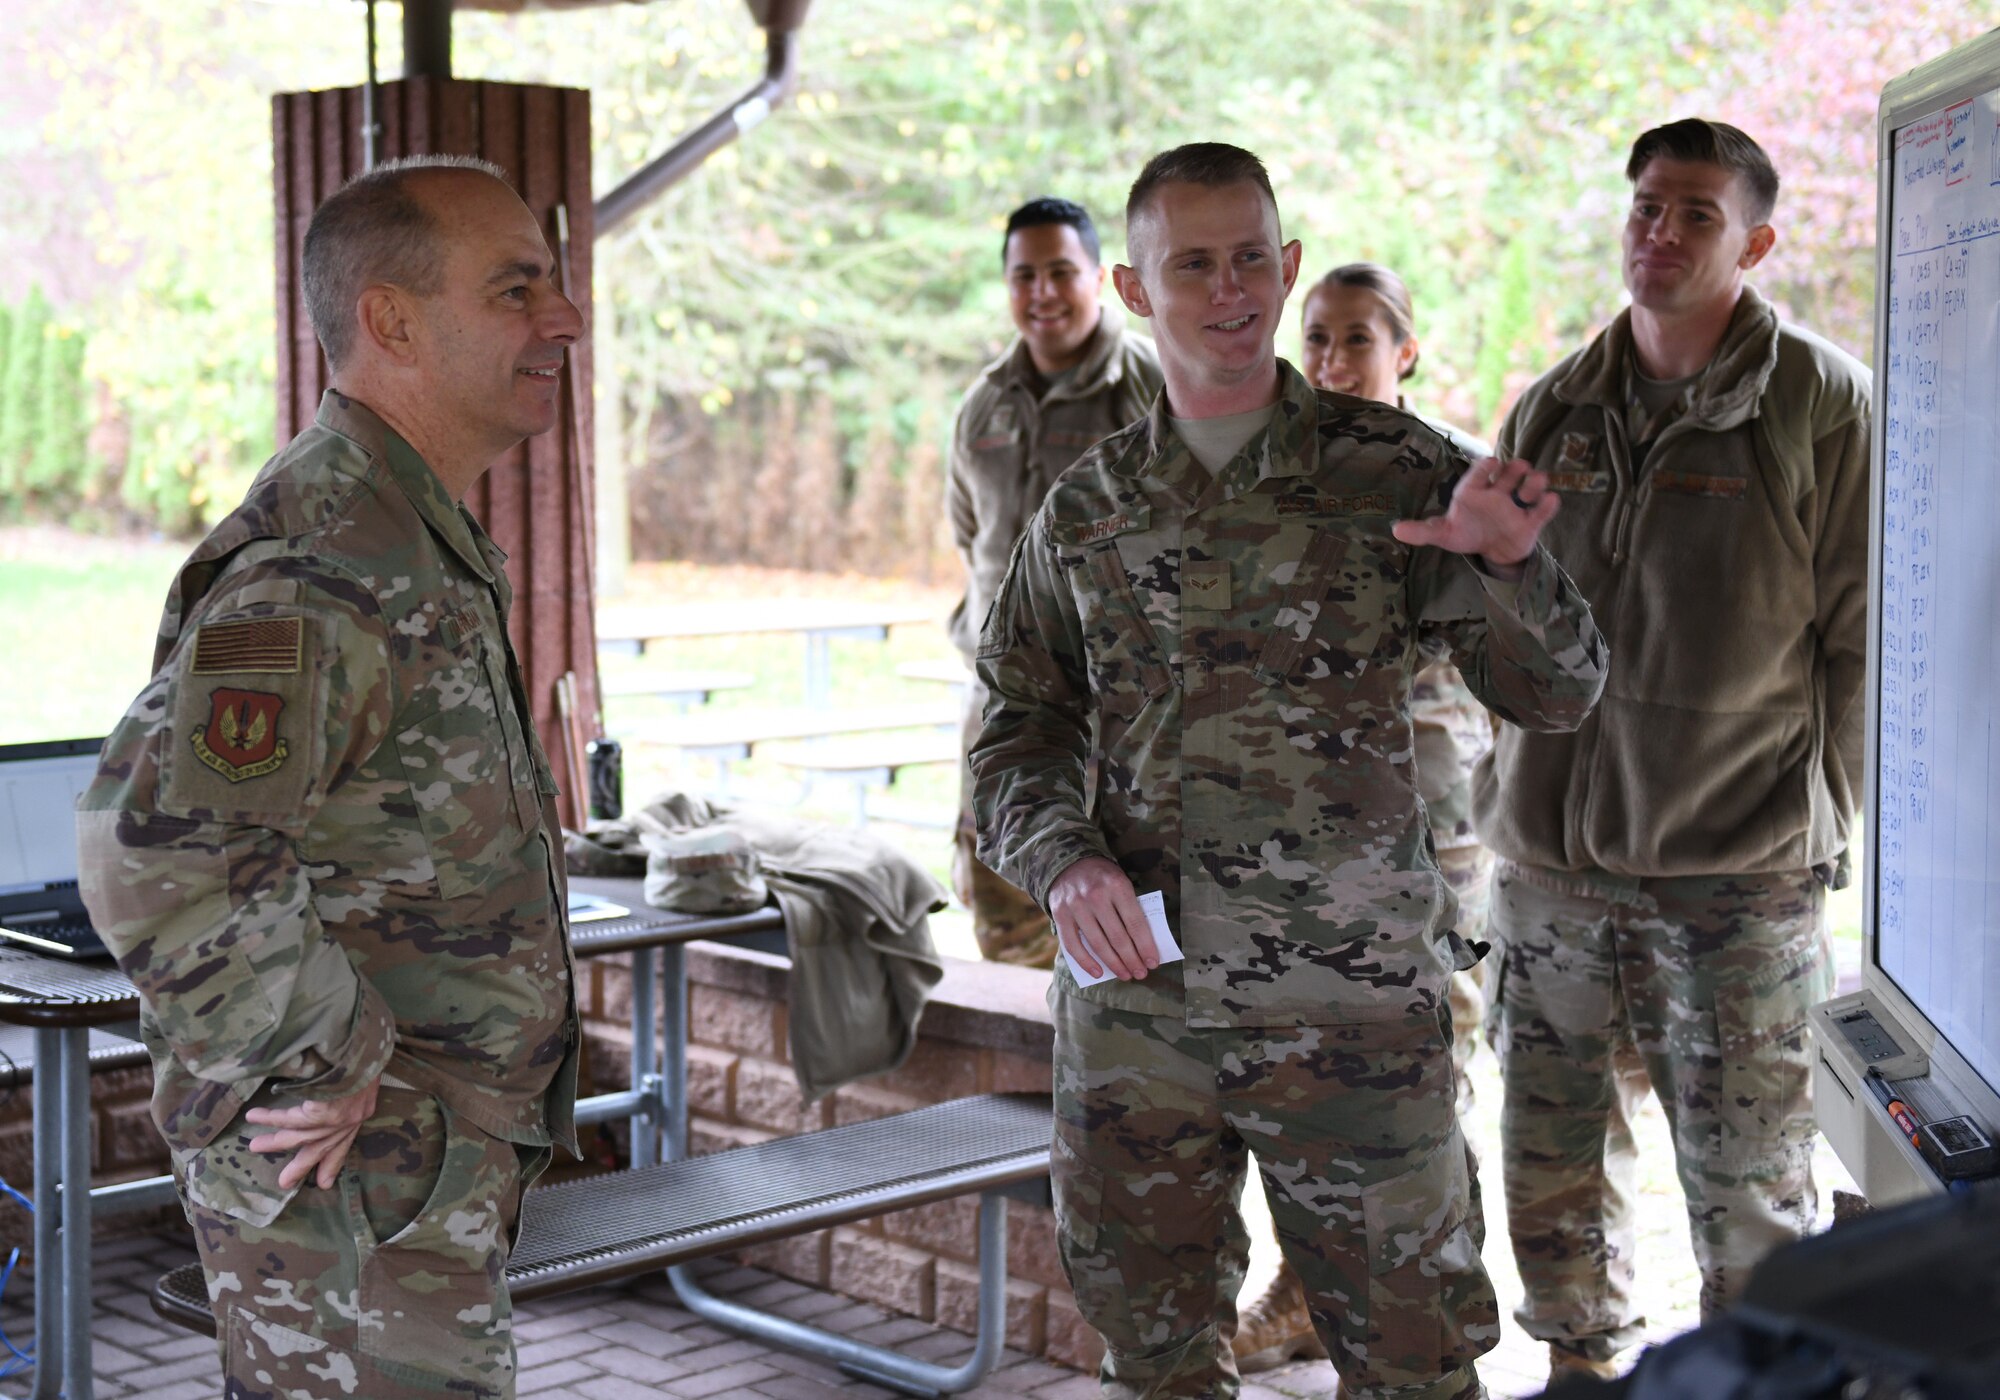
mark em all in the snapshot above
pixel 20 393
pixel 58 464
pixel 166 107
pixel 782 339
pixel 1807 82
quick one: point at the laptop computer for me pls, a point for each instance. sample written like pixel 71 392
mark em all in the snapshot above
pixel 40 905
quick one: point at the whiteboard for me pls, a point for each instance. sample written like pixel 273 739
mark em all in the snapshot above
pixel 1935 810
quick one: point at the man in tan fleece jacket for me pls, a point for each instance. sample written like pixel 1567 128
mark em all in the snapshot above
pixel 1073 375
pixel 1660 897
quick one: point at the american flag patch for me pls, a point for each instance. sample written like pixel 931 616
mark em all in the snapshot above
pixel 263 644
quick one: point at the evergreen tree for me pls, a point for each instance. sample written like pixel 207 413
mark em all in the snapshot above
pixel 6 349
pixel 55 460
pixel 19 390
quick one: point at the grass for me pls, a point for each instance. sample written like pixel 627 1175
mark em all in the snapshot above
pixel 78 613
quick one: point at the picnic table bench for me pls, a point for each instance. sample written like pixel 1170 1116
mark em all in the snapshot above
pixel 728 736
pixel 937 671
pixel 604 1229
pixel 868 760
pixel 682 688
pixel 633 628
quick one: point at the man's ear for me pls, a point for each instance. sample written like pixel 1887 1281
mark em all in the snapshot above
pixel 1131 291
pixel 1103 276
pixel 1762 238
pixel 383 316
pixel 1290 257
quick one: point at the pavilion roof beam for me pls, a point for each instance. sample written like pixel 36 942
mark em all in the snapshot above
pixel 780 20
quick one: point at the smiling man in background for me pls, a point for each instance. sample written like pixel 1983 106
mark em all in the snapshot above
pixel 1073 375
pixel 321 841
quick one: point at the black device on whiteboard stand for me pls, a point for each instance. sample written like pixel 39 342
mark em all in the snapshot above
pixel 1925 1028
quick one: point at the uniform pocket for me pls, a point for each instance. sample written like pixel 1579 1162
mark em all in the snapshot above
pixel 459 766
pixel 1128 666
pixel 227 1178
pixel 262 1357
pixel 1765 1103
pixel 1428 1294
pixel 1341 614
pixel 1079 1195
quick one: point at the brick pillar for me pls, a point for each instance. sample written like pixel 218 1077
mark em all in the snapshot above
pixel 537 501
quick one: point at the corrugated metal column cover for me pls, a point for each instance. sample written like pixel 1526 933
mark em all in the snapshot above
pixel 536 502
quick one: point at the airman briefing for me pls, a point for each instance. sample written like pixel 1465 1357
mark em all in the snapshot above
pixel 1397 731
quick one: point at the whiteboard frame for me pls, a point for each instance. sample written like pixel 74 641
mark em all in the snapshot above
pixel 1970 70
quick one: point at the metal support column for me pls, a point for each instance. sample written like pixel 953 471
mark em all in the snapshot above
pixel 75 1361
pixel 880 1365
pixel 646 1079
pixel 49 1138
pixel 427 38
pixel 673 1063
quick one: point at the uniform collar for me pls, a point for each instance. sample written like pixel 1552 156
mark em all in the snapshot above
pixel 1101 367
pixel 448 520
pixel 1731 386
pixel 1159 458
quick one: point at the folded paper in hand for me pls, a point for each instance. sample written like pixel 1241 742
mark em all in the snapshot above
pixel 1155 908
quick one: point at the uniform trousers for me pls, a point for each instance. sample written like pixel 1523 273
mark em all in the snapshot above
pixel 1369 1181
pixel 389 1284
pixel 1705 981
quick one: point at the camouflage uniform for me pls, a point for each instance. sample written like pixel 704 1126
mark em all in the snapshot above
pixel 1014 436
pixel 321 844
pixel 1706 981
pixel 1244 646
pixel 1452 731
pixel 1658 881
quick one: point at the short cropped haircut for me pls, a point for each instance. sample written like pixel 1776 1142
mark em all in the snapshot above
pixel 1039 213
pixel 1712 143
pixel 1209 163
pixel 1389 289
pixel 372 230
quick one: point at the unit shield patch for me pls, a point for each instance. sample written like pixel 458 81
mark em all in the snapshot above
pixel 241 740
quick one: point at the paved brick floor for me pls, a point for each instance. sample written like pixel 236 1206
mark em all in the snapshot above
pixel 634 1343
pixel 629 1343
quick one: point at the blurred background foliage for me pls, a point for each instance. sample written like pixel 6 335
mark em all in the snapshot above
pixel 783 339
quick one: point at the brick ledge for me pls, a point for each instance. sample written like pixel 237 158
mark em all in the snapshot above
pixel 983 1005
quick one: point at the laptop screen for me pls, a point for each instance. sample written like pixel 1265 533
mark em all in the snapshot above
pixel 39 786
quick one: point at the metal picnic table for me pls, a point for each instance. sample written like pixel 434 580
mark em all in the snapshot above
pixel 632 628
pixel 65 1001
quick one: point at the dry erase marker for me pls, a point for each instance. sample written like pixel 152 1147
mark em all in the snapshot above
pixel 1879 1086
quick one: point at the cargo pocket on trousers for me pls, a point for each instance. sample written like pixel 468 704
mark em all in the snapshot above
pixel 1426 1286
pixel 261 1357
pixel 1078 1188
pixel 1765 1100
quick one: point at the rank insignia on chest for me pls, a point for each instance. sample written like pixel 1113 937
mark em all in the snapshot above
pixel 458 625
pixel 1205 583
pixel 1578 450
pixel 241 739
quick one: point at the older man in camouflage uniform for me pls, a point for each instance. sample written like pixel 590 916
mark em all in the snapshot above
pixel 1073 375
pixel 1660 895
pixel 321 842
pixel 1236 593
